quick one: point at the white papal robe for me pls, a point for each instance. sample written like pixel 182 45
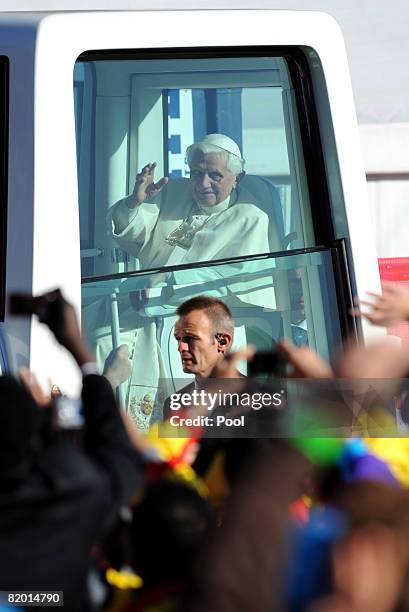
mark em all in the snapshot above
pixel 172 229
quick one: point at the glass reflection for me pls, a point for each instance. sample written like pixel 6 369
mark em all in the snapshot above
pixel 266 297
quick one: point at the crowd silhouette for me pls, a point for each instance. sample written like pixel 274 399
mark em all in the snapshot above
pixel 301 518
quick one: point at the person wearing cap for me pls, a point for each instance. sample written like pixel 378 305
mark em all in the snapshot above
pixel 209 216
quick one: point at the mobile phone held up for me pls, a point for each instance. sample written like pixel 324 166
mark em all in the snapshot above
pixel 44 306
pixel 268 362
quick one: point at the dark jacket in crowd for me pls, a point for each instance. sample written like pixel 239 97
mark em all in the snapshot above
pixel 54 511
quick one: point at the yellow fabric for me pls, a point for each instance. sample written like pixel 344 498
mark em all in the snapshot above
pixel 123 579
pixel 395 451
pixel 172 450
pixel 216 480
pixel 168 448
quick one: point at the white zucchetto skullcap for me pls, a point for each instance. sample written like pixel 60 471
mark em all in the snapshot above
pixel 223 142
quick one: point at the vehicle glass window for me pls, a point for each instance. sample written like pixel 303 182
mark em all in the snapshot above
pixel 162 221
pixel 292 296
pixel 134 113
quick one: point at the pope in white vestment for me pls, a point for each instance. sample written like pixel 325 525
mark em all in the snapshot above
pixel 209 217
pixel 234 227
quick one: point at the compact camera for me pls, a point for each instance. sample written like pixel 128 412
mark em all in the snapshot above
pixel 45 306
pixel 268 362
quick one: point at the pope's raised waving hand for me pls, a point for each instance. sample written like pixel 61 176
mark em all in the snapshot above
pixel 145 186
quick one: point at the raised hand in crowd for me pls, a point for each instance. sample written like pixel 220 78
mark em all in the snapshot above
pixel 387 308
pixel 380 360
pixel 54 311
pixel 61 319
pixel 30 382
pixel 227 367
pixel 304 362
pixel 383 359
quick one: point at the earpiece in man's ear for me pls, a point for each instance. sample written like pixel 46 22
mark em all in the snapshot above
pixel 221 339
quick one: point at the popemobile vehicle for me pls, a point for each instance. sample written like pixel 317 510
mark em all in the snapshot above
pixel 89 99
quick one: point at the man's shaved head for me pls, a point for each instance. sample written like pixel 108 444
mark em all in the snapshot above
pixel 217 312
